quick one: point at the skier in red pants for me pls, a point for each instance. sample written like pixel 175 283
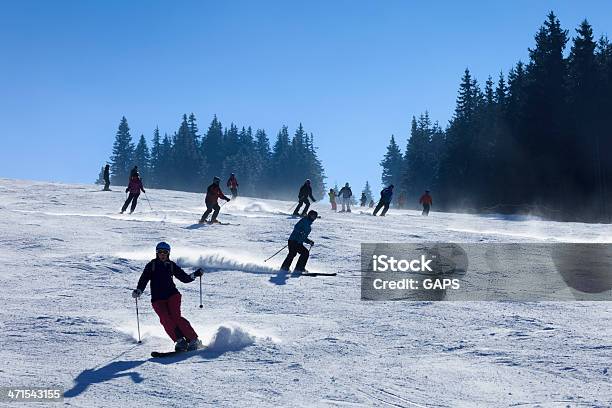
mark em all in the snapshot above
pixel 166 298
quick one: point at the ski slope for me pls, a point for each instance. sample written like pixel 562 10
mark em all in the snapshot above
pixel 68 319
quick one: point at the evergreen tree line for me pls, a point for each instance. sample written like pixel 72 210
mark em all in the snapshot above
pixel 537 140
pixel 188 161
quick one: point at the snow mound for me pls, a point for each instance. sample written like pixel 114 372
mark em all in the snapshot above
pixel 258 206
pixel 230 337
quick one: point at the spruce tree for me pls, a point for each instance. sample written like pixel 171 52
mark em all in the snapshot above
pixel 212 150
pixel 100 179
pixel 155 159
pixel 122 158
pixel 392 164
pixel 283 186
pixel 142 158
pixel 186 158
pixel 261 164
pixel 545 135
pixel 368 192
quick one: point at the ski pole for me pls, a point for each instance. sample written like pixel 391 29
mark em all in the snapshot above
pixel 277 252
pixel 201 306
pixel 148 201
pixel 138 321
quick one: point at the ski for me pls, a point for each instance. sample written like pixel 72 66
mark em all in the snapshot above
pixel 316 274
pixel 200 224
pixel 162 354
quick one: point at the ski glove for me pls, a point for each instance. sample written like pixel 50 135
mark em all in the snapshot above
pixel 309 241
pixel 197 273
pixel 136 293
pixel 127 189
pixel 227 199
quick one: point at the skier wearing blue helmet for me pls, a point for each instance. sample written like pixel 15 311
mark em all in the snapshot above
pixel 166 299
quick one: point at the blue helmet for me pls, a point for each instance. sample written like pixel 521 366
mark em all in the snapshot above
pixel 163 246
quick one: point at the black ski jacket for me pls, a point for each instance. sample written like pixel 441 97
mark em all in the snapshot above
pixel 305 192
pixel 160 274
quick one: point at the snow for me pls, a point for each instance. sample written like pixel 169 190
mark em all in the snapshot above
pixel 68 318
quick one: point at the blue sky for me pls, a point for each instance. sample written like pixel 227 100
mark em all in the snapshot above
pixel 353 72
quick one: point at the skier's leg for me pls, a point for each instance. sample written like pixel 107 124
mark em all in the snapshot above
pixel 305 211
pixel 297 209
pixel 348 204
pixel 292 252
pixel 385 209
pixel 161 308
pixel 206 213
pixel 174 307
pixel 127 202
pixel 216 213
pixel 301 263
pixel 134 202
pixel 378 206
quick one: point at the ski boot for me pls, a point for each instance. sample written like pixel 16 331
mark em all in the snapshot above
pixel 194 345
pixel 181 344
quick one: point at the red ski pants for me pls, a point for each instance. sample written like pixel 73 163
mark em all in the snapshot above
pixel 169 312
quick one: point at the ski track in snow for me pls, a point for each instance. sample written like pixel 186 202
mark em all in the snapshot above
pixel 71 261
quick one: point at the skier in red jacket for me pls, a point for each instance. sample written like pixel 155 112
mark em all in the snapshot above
pixel 213 194
pixel 134 188
pixel 426 201
pixel 232 184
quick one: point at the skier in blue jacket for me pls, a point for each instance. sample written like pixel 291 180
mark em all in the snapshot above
pixel 298 237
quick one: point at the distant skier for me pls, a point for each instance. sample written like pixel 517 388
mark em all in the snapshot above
pixel 303 195
pixel 213 193
pixel 298 237
pixel 332 199
pixel 345 195
pixel 371 205
pixel 107 178
pixel 166 299
pixel 134 188
pixel 232 184
pixel 427 202
pixel 134 172
pixel 385 199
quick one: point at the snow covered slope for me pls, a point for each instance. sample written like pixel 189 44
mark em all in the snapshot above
pixel 67 318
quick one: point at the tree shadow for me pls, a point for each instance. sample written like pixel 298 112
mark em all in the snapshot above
pixel 110 371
